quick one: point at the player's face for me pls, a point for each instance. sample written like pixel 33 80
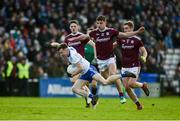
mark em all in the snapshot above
pixel 74 28
pixel 101 24
pixel 127 28
pixel 63 52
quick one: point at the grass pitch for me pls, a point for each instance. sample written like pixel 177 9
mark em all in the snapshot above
pixel 13 108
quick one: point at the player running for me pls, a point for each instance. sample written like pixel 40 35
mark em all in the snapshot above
pixel 79 46
pixel 103 37
pixel 88 72
pixel 131 48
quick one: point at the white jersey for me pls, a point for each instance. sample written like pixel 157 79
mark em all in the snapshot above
pixel 74 58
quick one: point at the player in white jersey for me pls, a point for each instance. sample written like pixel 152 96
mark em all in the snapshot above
pixel 88 72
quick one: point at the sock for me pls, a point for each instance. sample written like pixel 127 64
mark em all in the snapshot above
pixel 94 90
pixel 137 103
pixel 142 86
pixel 121 94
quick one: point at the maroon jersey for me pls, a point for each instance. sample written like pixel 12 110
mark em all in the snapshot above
pixel 104 42
pixel 78 45
pixel 130 51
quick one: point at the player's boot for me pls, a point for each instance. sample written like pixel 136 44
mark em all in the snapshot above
pixel 145 89
pixel 95 101
pixel 128 74
pixel 139 107
pixel 89 98
pixel 122 100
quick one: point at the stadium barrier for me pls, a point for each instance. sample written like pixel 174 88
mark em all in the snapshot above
pixel 61 87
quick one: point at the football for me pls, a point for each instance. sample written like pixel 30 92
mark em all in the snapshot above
pixel 71 69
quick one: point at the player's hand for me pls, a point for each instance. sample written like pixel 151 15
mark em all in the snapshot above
pixel 143 59
pixel 54 44
pixel 141 30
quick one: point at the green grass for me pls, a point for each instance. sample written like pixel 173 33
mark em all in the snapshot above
pixel 74 109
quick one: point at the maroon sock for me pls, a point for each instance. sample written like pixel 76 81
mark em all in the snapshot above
pixel 121 94
pixel 142 86
pixel 137 103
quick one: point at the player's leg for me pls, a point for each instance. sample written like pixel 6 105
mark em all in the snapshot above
pixel 131 93
pixel 112 70
pixel 94 83
pixel 133 81
pixel 78 89
pixel 143 86
pixel 105 73
pixel 74 79
pixel 87 87
pixel 94 87
pixel 110 80
pixel 94 92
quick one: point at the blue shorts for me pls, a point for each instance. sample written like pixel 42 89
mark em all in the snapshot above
pixel 89 74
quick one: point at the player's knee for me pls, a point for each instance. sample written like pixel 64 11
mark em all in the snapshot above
pixel 74 89
pixel 127 86
pixel 131 83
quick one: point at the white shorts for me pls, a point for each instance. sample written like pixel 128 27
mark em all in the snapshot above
pixel 103 64
pixel 134 70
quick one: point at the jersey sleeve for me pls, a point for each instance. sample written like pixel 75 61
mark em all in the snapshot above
pixel 114 32
pixel 140 44
pixel 85 41
pixel 65 40
pixel 92 34
pixel 75 57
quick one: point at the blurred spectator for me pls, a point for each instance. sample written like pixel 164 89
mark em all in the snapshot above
pixel 176 40
pixel 26 26
pixel 22 77
pixel 177 72
pixel 10 75
pixel 168 40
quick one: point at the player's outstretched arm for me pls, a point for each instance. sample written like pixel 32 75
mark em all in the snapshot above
pixel 129 34
pixel 80 38
pixel 55 44
pixel 94 47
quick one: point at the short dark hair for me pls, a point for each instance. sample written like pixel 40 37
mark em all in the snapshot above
pixel 62 46
pixel 129 23
pixel 101 18
pixel 74 21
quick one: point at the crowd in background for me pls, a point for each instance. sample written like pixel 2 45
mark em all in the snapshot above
pixel 27 26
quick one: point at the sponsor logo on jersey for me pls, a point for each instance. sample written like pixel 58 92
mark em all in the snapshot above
pixel 102 39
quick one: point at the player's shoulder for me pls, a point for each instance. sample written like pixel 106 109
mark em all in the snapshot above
pixel 137 38
pixel 72 35
pixel 71 48
pixel 72 51
pixel 68 36
pixel 94 30
pixel 110 28
pixel 79 33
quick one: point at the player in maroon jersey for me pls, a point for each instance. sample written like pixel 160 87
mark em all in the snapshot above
pixel 79 46
pixel 103 38
pixel 131 49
